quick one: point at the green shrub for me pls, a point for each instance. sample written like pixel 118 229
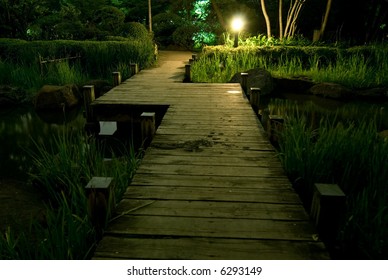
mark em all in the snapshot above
pixel 98 59
pixel 109 19
pixel 164 25
pixel 136 31
pixel 183 36
pixel 27 53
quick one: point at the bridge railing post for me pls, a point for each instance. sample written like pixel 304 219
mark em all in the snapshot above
pixel 244 82
pixel 134 68
pixel 327 206
pixel 92 126
pixel 116 78
pixel 255 98
pixel 148 127
pixel 101 201
pixel 187 73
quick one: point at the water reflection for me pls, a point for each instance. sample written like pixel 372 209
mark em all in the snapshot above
pixel 359 109
pixel 20 128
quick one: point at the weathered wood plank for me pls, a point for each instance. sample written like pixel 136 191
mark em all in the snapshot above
pixel 206 132
pixel 209 170
pixel 212 209
pixel 197 159
pixel 278 183
pixel 265 154
pixel 211 139
pixel 113 247
pixel 168 226
pixel 258 195
pixel 197 147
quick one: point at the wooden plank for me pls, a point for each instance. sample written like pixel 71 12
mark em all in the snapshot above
pixel 278 183
pixel 176 169
pixel 197 159
pixel 216 147
pixel 114 247
pixel 258 195
pixel 211 139
pixel 265 154
pixel 167 226
pixel 212 209
pixel 249 133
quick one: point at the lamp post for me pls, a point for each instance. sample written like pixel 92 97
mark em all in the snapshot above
pixel 237 25
pixel 150 15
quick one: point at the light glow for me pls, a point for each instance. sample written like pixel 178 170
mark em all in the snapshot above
pixel 237 24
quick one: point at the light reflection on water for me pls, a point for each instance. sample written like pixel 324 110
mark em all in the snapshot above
pixel 20 128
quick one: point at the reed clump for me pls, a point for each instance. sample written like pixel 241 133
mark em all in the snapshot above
pixel 356 67
pixel 349 153
pixel 61 170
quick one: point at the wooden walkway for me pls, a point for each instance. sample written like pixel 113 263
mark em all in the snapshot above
pixel 210 185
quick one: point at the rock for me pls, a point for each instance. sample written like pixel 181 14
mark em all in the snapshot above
pixel 298 85
pixel 332 90
pixel 52 97
pixel 372 93
pixel 259 78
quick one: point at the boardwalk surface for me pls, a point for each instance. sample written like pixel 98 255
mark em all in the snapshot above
pixel 210 185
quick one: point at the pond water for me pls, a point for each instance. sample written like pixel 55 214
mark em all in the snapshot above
pixel 20 131
pixel 354 108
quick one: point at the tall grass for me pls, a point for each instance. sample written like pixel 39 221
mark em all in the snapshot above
pixel 63 235
pixel 351 68
pixel 220 68
pixel 61 171
pixel 352 155
pixel 30 77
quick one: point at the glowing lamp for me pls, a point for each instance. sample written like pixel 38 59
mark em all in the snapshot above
pixel 237 26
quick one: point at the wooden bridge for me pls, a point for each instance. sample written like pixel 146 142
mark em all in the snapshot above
pixel 210 185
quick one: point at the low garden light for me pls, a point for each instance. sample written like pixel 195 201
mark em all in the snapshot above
pixel 237 26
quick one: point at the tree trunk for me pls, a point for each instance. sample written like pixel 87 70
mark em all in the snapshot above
pixel 150 15
pixel 281 19
pixel 325 18
pixel 219 14
pixel 292 16
pixel 267 20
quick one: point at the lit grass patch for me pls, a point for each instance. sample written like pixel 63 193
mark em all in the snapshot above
pixel 353 68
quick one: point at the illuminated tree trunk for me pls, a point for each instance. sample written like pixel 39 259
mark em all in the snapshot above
pixel 292 16
pixel 281 19
pixel 266 17
pixel 324 22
